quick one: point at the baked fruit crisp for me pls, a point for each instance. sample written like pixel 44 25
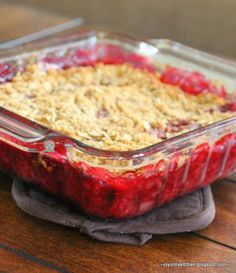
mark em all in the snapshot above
pixel 109 104
pixel 110 107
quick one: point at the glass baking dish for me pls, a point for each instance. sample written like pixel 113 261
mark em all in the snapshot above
pixel 113 184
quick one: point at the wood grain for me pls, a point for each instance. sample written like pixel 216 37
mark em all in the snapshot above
pixel 10 262
pixel 28 244
pixel 223 228
pixel 75 252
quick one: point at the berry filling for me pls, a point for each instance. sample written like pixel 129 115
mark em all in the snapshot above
pixel 193 83
pixel 106 54
pixel 107 194
pixel 7 72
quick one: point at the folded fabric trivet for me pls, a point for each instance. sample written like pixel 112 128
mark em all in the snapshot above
pixel 192 212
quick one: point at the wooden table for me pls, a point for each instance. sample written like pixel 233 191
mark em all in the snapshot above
pixel 31 245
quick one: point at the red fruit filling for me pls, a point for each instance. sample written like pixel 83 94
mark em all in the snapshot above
pixel 231 158
pixel 7 72
pixel 107 54
pixel 96 190
pixel 216 159
pixel 191 82
pixel 229 107
pixel 174 173
pixel 196 169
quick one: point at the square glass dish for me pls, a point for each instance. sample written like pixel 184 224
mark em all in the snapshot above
pixel 116 184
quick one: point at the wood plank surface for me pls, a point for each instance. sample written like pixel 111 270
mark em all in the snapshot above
pixel 11 262
pixel 73 251
pixel 223 228
pixel 31 245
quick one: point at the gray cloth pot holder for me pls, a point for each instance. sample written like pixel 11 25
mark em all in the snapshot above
pixel 192 212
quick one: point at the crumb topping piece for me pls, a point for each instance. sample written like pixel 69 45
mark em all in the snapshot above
pixel 111 107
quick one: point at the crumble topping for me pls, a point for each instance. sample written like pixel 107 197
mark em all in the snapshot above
pixel 111 107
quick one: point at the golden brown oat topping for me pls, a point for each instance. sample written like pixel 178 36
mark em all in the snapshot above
pixel 112 107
